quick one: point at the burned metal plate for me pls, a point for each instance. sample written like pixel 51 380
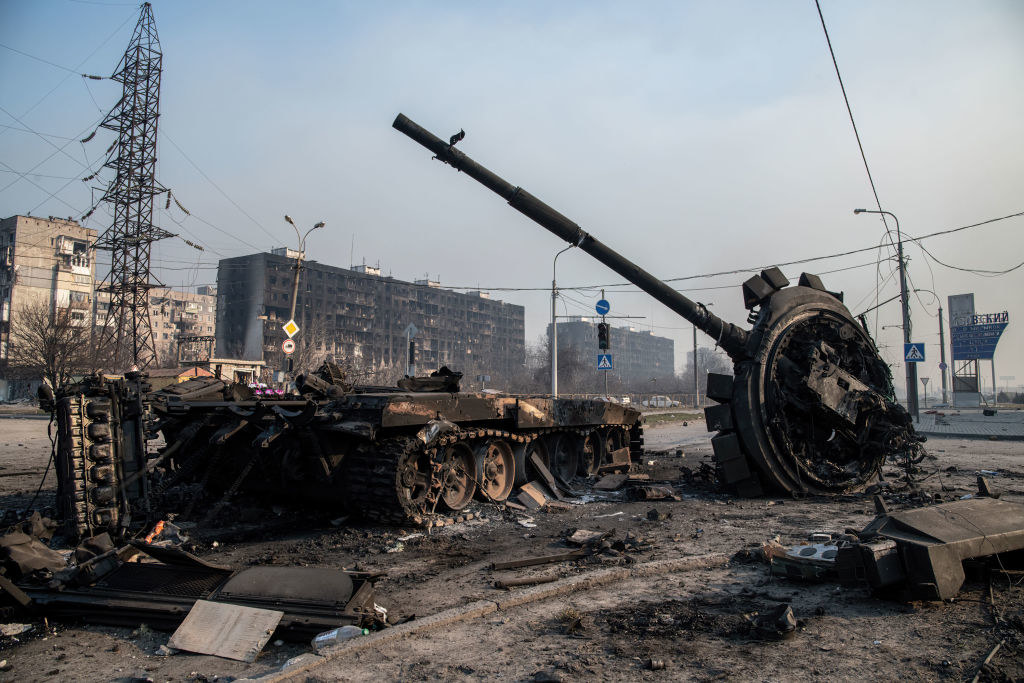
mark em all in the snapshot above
pixel 329 587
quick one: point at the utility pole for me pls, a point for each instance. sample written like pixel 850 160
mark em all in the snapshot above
pixel 911 368
pixel 942 354
pixel 298 268
pixel 609 337
pixel 298 261
pixel 554 325
pixel 696 385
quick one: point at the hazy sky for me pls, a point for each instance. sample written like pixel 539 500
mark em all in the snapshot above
pixel 691 137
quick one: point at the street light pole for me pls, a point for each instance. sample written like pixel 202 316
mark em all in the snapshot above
pixel 911 376
pixel 942 354
pixel 554 324
pixel 298 263
pixel 696 386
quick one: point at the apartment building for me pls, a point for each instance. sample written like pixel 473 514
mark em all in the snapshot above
pixel 637 355
pixel 45 261
pixel 362 316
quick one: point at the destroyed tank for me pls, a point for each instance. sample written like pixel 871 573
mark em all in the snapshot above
pixel 417 453
pixel 810 406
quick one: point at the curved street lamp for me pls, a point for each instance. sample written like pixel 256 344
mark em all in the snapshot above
pixel 554 324
pixel 911 375
pixel 298 263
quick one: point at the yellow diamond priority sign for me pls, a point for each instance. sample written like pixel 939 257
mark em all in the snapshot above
pixel 290 328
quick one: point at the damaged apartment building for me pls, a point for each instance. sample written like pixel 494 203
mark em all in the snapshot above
pixel 183 322
pixel 43 261
pixel 358 316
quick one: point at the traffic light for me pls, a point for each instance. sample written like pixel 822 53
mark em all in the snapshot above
pixel 603 340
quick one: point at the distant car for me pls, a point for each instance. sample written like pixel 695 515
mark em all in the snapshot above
pixel 659 402
pixel 625 401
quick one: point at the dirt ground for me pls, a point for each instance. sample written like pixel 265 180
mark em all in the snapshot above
pixel 692 622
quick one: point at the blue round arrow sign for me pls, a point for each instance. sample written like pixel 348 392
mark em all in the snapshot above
pixel 603 307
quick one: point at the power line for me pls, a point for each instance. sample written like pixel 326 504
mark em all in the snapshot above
pixel 40 59
pixel 217 187
pixel 87 58
pixel 853 123
pixel 29 130
pixel 976 271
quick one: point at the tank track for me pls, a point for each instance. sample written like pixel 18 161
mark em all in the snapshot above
pixel 375 476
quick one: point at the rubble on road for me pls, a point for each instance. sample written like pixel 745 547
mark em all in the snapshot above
pixel 923 550
pixel 157 585
pixel 916 554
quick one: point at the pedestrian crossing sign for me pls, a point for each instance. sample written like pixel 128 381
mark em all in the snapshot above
pixel 604 361
pixel 913 352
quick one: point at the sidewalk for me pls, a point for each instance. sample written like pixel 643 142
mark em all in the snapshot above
pixel 969 423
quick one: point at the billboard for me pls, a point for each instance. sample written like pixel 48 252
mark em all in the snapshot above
pixel 977 340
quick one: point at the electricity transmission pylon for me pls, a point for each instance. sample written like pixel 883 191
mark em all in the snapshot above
pixel 127 332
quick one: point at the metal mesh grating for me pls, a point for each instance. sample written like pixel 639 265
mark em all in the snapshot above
pixel 163 580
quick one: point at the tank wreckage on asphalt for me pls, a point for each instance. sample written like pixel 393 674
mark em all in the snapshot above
pixel 809 409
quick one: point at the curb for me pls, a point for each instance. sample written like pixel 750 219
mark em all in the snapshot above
pixel 308 661
pixel 980 437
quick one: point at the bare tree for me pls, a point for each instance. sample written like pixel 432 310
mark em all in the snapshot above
pixel 51 343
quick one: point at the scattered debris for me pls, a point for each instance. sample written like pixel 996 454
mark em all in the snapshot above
pixel 653 493
pixel 923 550
pixel 10 630
pixel 24 556
pixel 337 635
pixel 543 559
pixel 985 489
pixel 542 470
pixel 611 482
pixel 656 515
pixel 531 495
pixel 585 537
pixel 988 658
pixel 525 581
pixel 110 589
pixel 778 622
pixel 814 561
pixel 224 630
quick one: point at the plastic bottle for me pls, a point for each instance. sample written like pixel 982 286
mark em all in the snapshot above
pixel 337 635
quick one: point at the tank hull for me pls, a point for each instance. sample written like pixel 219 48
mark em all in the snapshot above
pixel 403 457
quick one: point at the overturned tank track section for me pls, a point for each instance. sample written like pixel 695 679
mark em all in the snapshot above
pixel 100 453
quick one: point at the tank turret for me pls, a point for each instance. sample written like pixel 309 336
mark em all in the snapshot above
pixel 810 407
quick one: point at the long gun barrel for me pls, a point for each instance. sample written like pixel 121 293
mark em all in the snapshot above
pixel 730 337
